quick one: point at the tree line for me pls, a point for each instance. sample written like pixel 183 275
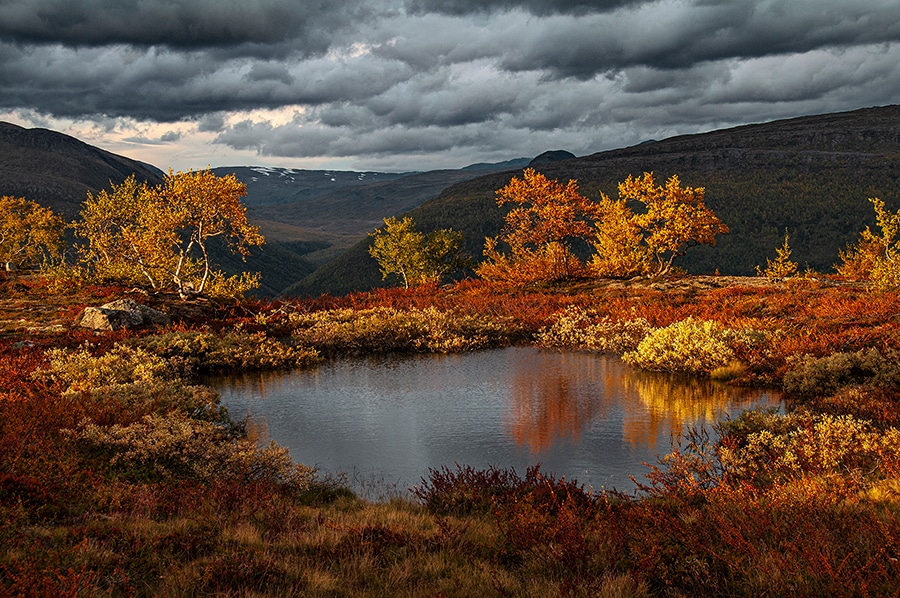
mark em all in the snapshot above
pixel 158 236
pixel 640 233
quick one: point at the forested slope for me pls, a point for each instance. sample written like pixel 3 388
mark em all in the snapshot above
pixel 810 175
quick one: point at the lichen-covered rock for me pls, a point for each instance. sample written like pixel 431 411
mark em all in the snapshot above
pixel 119 314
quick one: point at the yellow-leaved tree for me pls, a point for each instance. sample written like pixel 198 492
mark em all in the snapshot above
pixel 160 235
pixel 30 234
pixel 619 246
pixel 124 244
pixel 416 258
pixel 539 230
pixel 670 220
pixel 200 206
pixel 782 266
pixel 875 257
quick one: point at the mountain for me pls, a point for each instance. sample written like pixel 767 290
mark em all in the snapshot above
pixel 57 170
pixel 345 202
pixel 810 175
pixel 551 156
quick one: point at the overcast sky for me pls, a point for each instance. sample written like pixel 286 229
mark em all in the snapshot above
pixel 421 84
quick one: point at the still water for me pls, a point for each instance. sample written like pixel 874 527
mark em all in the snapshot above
pixel 389 419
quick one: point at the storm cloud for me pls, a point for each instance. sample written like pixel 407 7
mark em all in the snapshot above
pixel 413 84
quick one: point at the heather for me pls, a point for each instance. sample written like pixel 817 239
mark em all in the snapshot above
pixel 121 474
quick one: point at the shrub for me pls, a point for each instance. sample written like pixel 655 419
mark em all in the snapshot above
pixel 81 370
pixel 765 447
pixel 174 445
pixel 811 375
pixel 575 328
pixel 385 329
pixel 205 351
pixel 143 398
pixel 691 346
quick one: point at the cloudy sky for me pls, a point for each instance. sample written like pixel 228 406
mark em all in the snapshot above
pixel 422 84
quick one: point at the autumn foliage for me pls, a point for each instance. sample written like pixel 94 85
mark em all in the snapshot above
pixel 159 236
pixel 875 257
pixel 120 474
pixel 550 217
pixel 29 234
pixel 416 258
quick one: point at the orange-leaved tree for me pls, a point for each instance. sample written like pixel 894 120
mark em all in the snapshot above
pixel 200 206
pixel 672 219
pixel 29 233
pixel 159 235
pixel 539 230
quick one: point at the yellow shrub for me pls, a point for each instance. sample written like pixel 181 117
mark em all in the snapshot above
pixel 174 445
pixel 773 448
pixel 211 352
pixel 386 329
pixel 576 328
pixel 691 346
pixel 80 370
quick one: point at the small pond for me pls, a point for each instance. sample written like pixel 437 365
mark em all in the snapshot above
pixel 387 420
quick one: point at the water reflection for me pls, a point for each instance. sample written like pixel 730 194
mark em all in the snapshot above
pixel 557 396
pixel 584 416
pixel 672 404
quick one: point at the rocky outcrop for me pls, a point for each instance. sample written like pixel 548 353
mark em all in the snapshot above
pixel 119 314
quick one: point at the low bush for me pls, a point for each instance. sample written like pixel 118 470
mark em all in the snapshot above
pixel 385 329
pixel 82 370
pixel 176 446
pixel 207 352
pixel 765 448
pixel 583 330
pixel 129 402
pixel 694 346
pixel 811 376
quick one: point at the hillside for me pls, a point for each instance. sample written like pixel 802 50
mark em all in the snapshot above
pixel 811 175
pixel 327 211
pixel 57 170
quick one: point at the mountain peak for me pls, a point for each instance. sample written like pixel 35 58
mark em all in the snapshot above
pixel 551 156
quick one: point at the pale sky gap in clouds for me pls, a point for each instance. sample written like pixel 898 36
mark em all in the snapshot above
pixel 423 84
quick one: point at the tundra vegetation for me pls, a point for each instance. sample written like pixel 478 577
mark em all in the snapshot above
pixel 120 474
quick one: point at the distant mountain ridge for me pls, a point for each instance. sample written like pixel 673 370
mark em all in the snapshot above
pixel 811 175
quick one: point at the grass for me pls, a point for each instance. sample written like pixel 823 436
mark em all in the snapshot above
pixel 798 503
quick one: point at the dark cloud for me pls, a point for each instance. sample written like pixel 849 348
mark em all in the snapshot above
pixel 670 36
pixel 172 23
pixel 536 7
pixel 211 123
pixel 389 81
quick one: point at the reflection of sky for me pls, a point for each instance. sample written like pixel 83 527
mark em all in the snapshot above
pixel 584 416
